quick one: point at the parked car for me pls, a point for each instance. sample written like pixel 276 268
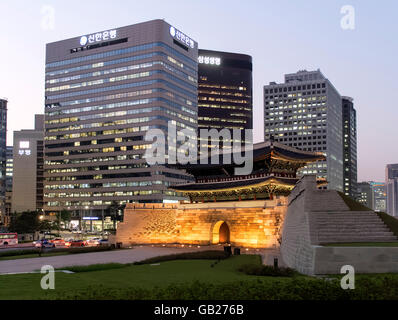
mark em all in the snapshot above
pixel 104 242
pixel 44 243
pixel 78 243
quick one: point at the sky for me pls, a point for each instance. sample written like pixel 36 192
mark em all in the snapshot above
pixel 282 37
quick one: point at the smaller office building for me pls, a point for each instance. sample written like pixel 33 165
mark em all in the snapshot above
pixel 27 187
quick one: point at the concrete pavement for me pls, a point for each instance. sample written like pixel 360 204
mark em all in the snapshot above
pixel 86 259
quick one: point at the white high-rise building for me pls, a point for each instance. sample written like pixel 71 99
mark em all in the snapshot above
pixel 305 112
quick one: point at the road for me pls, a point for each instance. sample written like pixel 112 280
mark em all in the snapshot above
pixel 85 259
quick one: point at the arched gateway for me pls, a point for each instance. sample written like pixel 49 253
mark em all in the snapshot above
pixel 221 233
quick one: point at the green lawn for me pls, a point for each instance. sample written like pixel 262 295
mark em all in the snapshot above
pixel 192 280
pixel 144 276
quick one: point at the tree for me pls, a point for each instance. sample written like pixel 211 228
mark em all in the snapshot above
pixel 46 226
pixel 64 217
pixel 25 222
pixel 114 210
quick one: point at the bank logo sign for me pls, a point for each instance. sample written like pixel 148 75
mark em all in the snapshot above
pixel 209 60
pixel 98 37
pixel 181 37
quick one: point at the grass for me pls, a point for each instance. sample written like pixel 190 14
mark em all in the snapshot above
pixel 390 221
pixel 352 204
pixel 191 280
pixel 117 277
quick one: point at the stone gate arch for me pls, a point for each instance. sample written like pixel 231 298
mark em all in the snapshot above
pixel 221 233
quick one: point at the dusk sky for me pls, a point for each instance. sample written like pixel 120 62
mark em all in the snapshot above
pixel 281 36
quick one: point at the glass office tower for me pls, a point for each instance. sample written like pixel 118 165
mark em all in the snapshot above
pixel 350 148
pixel 225 93
pixel 104 91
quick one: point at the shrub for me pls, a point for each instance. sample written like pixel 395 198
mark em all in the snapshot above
pixel 16 253
pixel 292 289
pixel 261 270
pixel 95 267
pixel 89 249
pixel 202 255
pixel 367 288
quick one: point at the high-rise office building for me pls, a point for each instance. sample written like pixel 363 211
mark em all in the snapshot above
pixel 379 196
pixel 365 194
pixel 27 180
pixel 305 112
pixel 9 174
pixel 9 168
pixel 392 189
pixel 350 148
pixel 104 91
pixel 3 156
pixel 225 94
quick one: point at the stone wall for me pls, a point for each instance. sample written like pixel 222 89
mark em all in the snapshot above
pixel 315 215
pixel 149 224
pixel 252 224
pixel 329 260
pixel 296 249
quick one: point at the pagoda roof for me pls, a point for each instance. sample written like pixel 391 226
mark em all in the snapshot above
pixel 220 186
pixel 261 151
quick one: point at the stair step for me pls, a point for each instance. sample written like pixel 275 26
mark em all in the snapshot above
pixel 368 230
pixel 354 239
pixel 375 234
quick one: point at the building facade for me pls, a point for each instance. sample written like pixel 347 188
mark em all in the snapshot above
pixel 365 194
pixel 350 148
pixel 3 157
pixel 27 180
pixel 225 95
pixel 9 174
pixel 392 189
pixel 379 196
pixel 305 112
pixel 104 91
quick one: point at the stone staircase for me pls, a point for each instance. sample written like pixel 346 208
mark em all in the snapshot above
pixel 348 227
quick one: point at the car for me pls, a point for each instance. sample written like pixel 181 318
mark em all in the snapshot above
pixel 44 243
pixel 104 242
pixel 59 242
pixel 78 243
pixel 94 242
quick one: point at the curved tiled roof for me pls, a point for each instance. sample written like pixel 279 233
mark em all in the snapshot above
pixel 231 184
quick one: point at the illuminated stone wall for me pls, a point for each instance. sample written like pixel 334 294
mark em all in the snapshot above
pixel 252 224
